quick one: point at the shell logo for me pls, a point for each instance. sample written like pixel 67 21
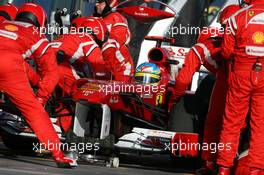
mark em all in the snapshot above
pixel 258 38
pixel 11 28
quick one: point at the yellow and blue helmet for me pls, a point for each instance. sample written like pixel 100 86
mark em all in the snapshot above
pixel 148 73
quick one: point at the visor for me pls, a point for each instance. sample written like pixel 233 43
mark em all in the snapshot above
pixel 146 78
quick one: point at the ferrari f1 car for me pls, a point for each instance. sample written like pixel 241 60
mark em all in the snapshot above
pixel 141 115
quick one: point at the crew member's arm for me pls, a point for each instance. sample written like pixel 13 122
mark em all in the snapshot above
pixel 192 63
pixel 32 74
pixel 48 70
pixel 228 43
pixel 93 58
pixel 119 28
pixel 121 33
pixel 119 60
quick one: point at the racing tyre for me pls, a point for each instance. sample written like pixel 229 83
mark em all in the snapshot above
pixel 180 120
pixel 202 101
pixel 18 144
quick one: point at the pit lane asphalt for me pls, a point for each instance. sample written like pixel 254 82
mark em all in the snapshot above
pixel 12 163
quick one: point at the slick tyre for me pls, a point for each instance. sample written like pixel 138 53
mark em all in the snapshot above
pixel 18 144
pixel 180 120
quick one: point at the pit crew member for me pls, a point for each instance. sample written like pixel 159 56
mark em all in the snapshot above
pixel 21 39
pixel 246 86
pixel 115 50
pixel 81 57
pixel 214 121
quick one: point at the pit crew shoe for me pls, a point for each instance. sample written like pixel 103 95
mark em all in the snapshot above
pixel 64 162
pixel 223 171
pixel 207 169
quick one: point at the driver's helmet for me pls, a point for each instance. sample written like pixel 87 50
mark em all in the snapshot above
pixel 148 73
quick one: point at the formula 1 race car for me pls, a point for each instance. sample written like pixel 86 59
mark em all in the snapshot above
pixel 143 117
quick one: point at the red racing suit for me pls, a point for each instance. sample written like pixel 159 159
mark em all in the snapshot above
pixel 244 42
pixel 115 50
pixel 18 41
pixel 32 75
pixel 200 54
pixel 82 56
pixel 206 54
pixel 46 77
pixel 118 58
pixel 214 120
pixel 118 27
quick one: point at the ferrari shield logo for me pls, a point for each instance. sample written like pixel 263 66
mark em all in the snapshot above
pixel 258 37
pixel 251 13
pixel 159 99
